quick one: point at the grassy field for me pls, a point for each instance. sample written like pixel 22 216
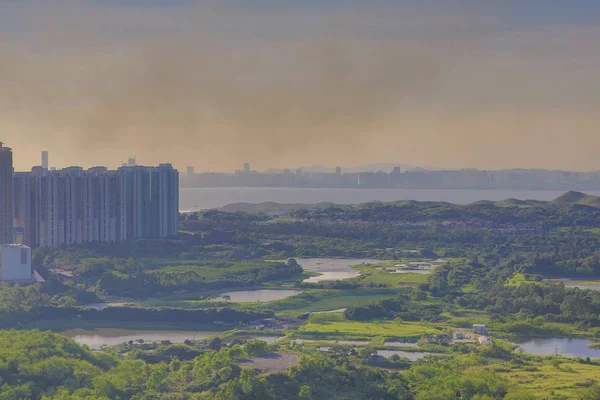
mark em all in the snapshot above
pixel 370 274
pixel 312 300
pixel 543 379
pixel 463 318
pixel 62 325
pixel 389 279
pixel 210 269
pixel 520 279
pixel 332 301
pixel 334 326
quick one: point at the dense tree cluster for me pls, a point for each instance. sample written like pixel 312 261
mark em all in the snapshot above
pixel 20 304
pixel 400 308
pixel 40 365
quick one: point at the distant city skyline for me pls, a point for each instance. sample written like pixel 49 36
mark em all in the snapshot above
pixel 315 167
pixel 393 176
pixel 213 84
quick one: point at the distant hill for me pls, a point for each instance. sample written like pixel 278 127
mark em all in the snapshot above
pixel 270 207
pixel 578 200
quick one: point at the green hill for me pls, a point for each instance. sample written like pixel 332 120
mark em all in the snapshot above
pixel 577 198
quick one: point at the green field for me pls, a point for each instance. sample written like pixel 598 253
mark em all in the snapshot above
pixel 520 279
pixel 312 300
pixel 62 325
pixel 542 379
pixel 372 275
pixel 334 300
pixel 333 325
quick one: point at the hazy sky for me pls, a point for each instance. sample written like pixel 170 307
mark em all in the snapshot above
pixel 488 84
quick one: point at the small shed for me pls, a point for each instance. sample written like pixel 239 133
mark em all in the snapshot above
pixel 480 329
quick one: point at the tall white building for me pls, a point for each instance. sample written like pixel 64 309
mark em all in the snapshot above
pixel 15 263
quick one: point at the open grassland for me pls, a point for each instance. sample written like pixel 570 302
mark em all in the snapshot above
pixel 312 300
pixel 543 379
pixel 212 269
pixel 329 301
pixel 520 279
pixel 66 324
pixel 335 326
pixel 465 318
pixel 376 274
pixel 392 280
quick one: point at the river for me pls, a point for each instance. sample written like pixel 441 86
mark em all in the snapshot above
pixel 193 199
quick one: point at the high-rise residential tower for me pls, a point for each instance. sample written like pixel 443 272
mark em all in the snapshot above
pixel 6 195
pixel 167 195
pixel 71 206
pixel 45 159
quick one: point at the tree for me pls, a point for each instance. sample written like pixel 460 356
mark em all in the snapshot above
pixel 215 344
pixel 305 392
pixel 256 348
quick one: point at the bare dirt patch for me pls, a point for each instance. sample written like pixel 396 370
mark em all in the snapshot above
pixel 271 362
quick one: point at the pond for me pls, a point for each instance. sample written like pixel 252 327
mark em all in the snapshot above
pixel 388 353
pixel 411 271
pixel 581 284
pixel 268 339
pixel 96 338
pixel 260 295
pixel 404 354
pixel 400 344
pixel 332 342
pixel 102 306
pixel 563 346
pixel 333 269
pixel 572 284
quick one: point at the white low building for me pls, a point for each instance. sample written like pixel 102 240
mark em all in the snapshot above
pixel 15 263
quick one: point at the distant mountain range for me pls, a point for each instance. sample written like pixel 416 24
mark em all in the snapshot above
pixel 569 199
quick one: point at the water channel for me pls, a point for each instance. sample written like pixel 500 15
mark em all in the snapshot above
pixel 260 295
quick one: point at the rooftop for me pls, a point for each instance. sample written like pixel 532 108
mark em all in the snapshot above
pixel 19 246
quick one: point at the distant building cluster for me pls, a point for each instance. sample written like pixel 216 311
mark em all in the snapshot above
pixel 48 207
pixel 15 260
pixel 397 178
pixel 73 205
